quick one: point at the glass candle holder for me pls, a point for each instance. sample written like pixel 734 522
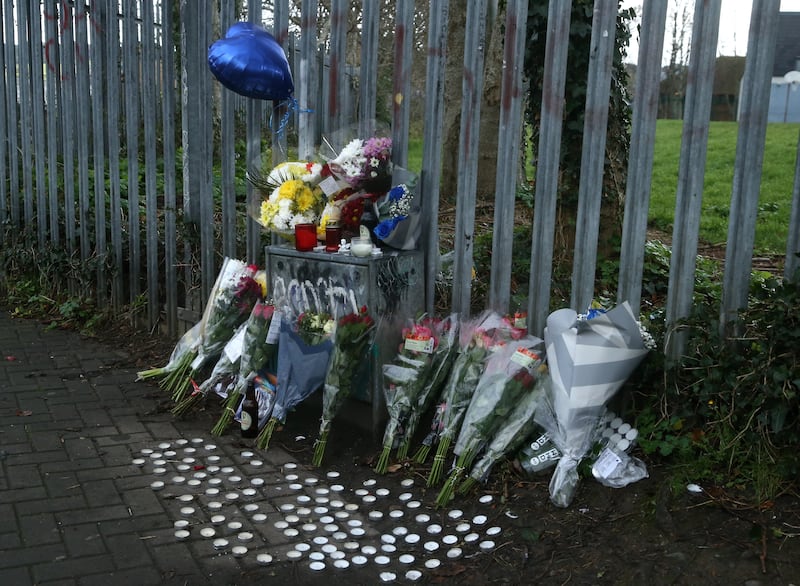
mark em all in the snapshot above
pixel 305 237
pixel 361 247
pixel 333 237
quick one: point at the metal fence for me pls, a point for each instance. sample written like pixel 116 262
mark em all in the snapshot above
pixel 95 115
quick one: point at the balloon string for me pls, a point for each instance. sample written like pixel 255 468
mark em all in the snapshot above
pixel 292 106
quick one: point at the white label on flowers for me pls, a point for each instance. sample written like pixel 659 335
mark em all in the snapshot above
pixel 606 463
pixel 415 345
pixel 233 349
pixel 524 357
pixel 330 186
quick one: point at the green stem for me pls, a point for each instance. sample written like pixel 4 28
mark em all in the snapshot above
pixel 264 437
pixel 319 449
pixel 402 450
pixel 446 494
pixel 466 486
pixel 383 460
pixel 422 454
pixel 187 404
pixel 435 475
pixel 226 417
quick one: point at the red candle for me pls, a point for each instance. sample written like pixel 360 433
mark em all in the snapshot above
pixel 333 237
pixel 305 237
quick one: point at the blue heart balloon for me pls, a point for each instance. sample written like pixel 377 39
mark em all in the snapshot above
pixel 250 62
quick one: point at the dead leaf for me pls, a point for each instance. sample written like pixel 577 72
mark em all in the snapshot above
pixel 10 358
pixel 24 413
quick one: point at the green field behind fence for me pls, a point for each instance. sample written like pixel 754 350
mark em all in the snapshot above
pixel 775 201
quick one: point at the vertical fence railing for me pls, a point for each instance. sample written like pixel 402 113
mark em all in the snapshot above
pixel 640 162
pixel 793 241
pixel 472 89
pixel 432 143
pixel 508 154
pixel 79 86
pixel 749 158
pixel 552 113
pixel 691 171
pixel 593 154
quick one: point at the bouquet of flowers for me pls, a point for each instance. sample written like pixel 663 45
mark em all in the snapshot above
pixel 479 338
pixel 352 340
pixel 365 164
pixel 303 358
pixel 405 378
pixel 231 300
pixel 292 196
pixel 443 357
pixel 519 427
pixel 509 376
pixel 256 349
pixel 590 358
pixel 222 378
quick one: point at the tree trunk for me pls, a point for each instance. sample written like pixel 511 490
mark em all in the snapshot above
pixel 490 103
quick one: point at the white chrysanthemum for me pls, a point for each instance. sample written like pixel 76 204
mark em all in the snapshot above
pixel 314 175
pixel 287 170
pixel 303 219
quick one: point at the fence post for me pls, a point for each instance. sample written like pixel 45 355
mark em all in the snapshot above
pixel 508 149
pixel 754 108
pixel 640 162
pixel 544 221
pixel 401 95
pixel 472 89
pixel 430 176
pixel 793 240
pixel 593 153
pixel 307 82
pixel 691 172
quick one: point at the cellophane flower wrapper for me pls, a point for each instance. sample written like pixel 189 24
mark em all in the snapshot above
pixel 509 376
pixel 399 218
pixel 479 338
pixel 589 361
pixel 222 379
pixel 362 161
pixel 179 360
pixel 352 342
pixel 405 378
pixel 443 356
pixel 253 352
pixel 519 426
pixel 233 297
pixel 302 367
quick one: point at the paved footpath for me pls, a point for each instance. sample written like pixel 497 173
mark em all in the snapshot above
pixel 75 509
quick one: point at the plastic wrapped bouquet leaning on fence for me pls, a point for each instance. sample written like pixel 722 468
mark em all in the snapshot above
pixel 510 375
pixel 303 358
pixel 590 357
pixel 352 340
pixel 229 304
pixel 408 375
pixel 479 338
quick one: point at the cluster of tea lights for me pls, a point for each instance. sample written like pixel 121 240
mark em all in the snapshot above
pixel 617 434
pixel 324 524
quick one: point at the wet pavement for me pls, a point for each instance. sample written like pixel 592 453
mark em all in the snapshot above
pixel 99 485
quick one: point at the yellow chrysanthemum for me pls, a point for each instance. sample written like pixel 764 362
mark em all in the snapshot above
pixel 268 211
pixel 288 189
pixel 305 199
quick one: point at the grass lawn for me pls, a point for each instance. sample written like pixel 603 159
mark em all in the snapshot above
pixel 775 201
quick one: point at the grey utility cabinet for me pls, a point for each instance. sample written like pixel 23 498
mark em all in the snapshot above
pixel 391 285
